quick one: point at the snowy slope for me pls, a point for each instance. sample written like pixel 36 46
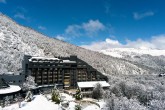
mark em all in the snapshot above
pixel 17 40
pixel 122 52
pixel 152 58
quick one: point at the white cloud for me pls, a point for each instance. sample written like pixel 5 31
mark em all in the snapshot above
pixel 112 42
pixel 156 42
pixel 89 28
pixel 73 30
pixel 20 15
pixel 60 37
pixel 41 27
pixel 93 26
pixel 102 45
pixel 138 16
pixel 2 1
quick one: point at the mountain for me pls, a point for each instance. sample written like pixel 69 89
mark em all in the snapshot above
pixel 17 40
pixel 153 58
pixel 123 52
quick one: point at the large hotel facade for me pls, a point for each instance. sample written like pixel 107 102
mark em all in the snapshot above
pixel 64 71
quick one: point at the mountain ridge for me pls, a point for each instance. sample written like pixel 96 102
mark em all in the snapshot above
pixel 17 40
pixel 122 52
pixel 152 58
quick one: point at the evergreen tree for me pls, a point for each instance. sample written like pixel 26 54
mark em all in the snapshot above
pixel 78 95
pixel 56 96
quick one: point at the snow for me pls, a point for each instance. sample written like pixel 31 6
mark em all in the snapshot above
pixel 68 61
pixel 20 40
pixel 43 58
pixel 120 52
pixel 11 89
pixel 49 59
pixel 67 97
pixel 92 107
pixel 39 103
pixel 101 103
pixel 92 84
pixel 2 36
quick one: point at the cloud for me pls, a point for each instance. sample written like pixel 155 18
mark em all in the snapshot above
pixel 60 37
pixel 3 1
pixel 20 15
pixel 138 16
pixel 73 30
pixel 156 42
pixel 93 26
pixel 41 27
pixel 102 45
pixel 90 28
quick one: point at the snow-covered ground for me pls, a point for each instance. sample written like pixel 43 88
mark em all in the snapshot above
pixel 121 52
pixel 40 102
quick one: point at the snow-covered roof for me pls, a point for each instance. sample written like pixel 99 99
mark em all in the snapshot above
pixel 51 85
pixel 10 89
pixel 68 61
pixel 91 84
pixel 43 58
pixel 36 59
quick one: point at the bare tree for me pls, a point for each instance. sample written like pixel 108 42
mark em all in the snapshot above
pixel 29 83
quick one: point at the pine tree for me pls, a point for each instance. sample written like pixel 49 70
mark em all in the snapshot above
pixel 56 96
pixel 78 95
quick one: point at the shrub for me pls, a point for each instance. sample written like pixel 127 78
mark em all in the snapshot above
pixel 77 107
pixel 56 96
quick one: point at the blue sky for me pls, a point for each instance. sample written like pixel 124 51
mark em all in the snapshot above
pixel 93 24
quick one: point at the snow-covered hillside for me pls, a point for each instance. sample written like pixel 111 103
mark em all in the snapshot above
pixel 122 52
pixel 152 58
pixel 17 40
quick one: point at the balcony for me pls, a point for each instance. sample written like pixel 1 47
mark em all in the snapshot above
pixel 66 83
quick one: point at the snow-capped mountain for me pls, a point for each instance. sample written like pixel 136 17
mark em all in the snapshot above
pixel 148 57
pixel 17 40
pixel 123 52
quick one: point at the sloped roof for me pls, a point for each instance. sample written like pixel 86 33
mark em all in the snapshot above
pixel 10 89
pixel 3 84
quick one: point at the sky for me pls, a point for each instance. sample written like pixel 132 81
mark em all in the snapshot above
pixel 93 24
